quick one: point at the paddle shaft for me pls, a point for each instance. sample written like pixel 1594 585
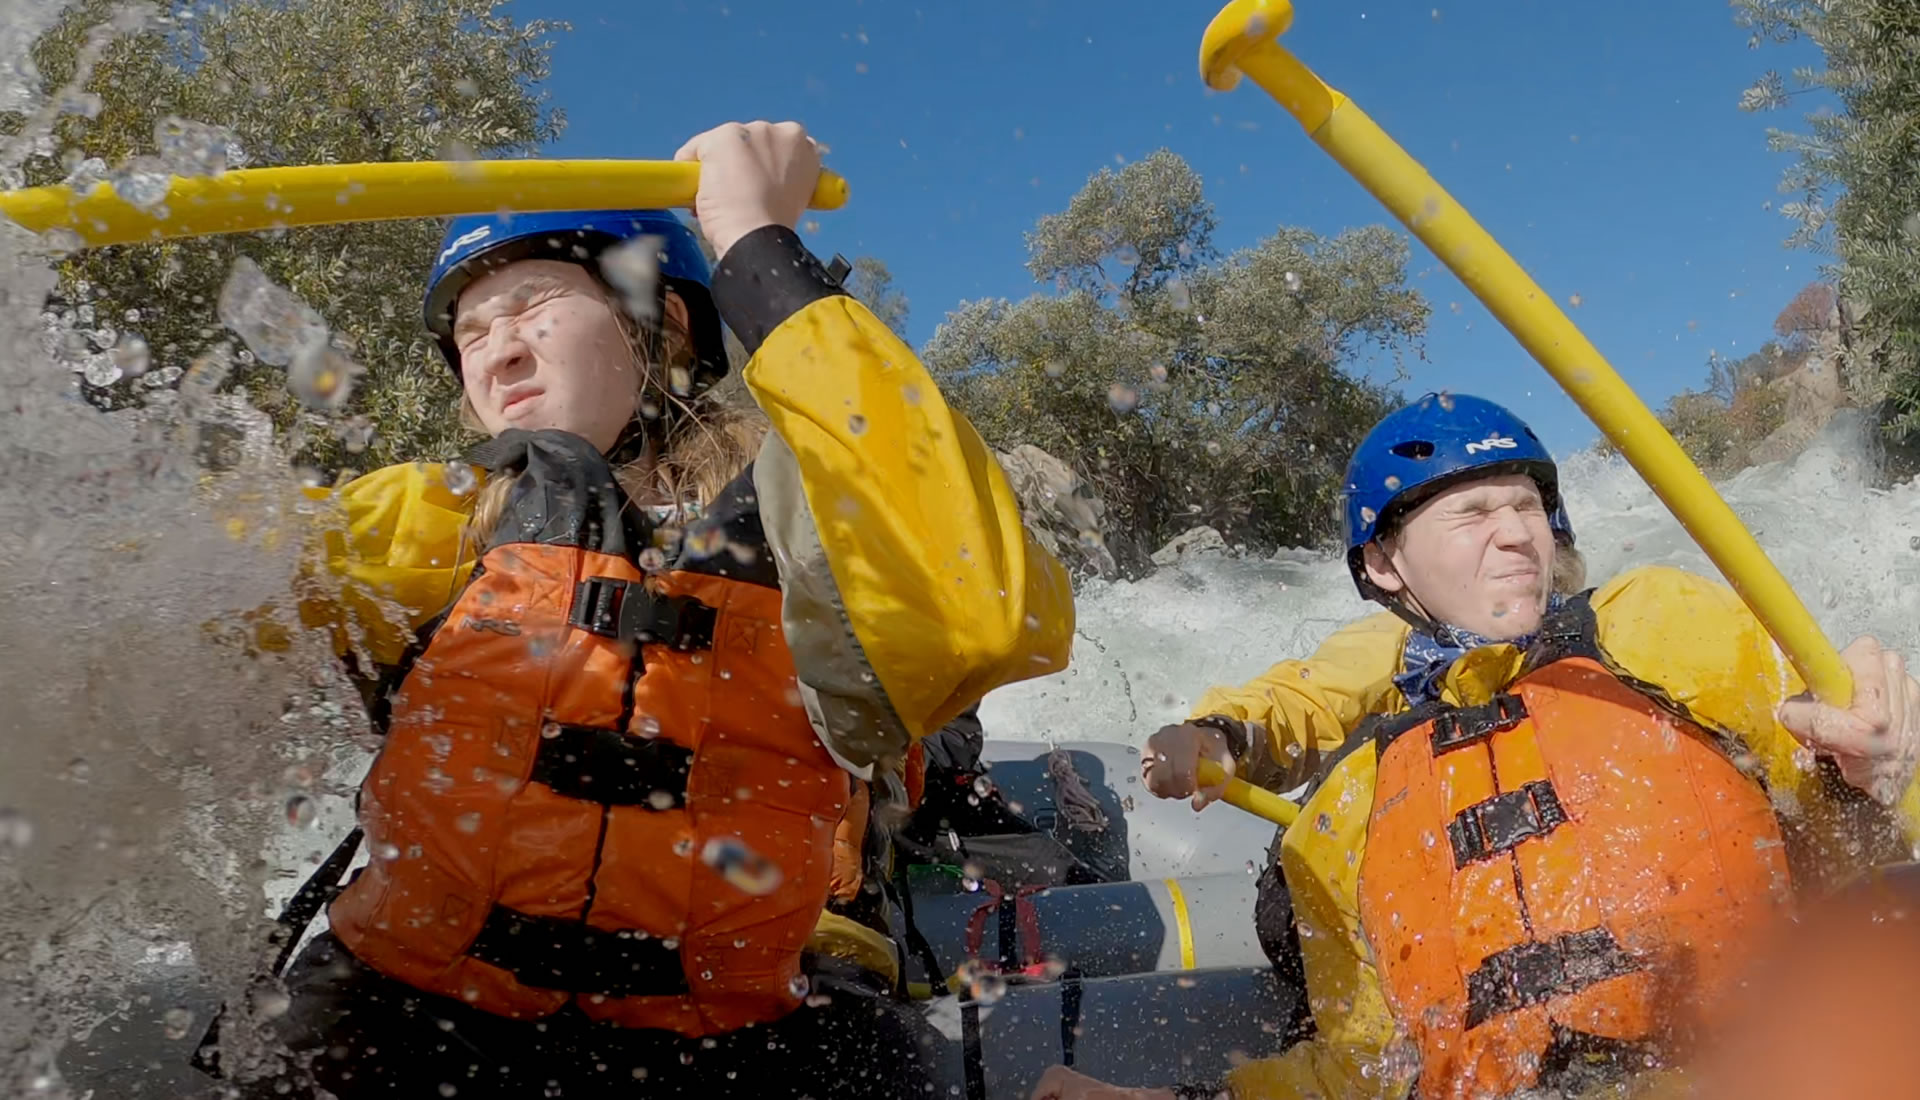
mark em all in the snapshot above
pixel 255 199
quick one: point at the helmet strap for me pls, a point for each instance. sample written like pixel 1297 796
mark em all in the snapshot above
pixel 1406 606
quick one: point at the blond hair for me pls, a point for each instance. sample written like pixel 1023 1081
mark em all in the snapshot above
pixel 696 444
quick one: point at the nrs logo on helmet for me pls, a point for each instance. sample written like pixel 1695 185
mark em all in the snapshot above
pixel 1490 443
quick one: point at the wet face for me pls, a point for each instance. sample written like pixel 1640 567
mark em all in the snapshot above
pixel 1478 556
pixel 541 347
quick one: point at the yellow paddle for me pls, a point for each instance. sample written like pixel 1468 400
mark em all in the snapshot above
pixel 1241 39
pixel 1257 801
pixel 254 199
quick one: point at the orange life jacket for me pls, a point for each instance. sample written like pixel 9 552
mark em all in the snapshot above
pixel 600 785
pixel 1572 864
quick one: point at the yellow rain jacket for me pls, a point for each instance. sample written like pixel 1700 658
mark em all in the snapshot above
pixel 1691 636
pixel 910 586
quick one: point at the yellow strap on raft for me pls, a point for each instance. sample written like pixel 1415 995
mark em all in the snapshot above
pixel 1182 921
pixel 1257 801
pixel 1241 39
pixel 254 199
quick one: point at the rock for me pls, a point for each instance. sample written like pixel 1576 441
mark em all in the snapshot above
pixel 1061 511
pixel 1813 394
pixel 1192 544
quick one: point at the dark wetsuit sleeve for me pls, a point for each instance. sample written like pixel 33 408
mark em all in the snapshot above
pixel 765 278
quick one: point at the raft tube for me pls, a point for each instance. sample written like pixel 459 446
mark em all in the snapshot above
pixel 1145 838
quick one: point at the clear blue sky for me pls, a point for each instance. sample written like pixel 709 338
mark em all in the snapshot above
pixel 1600 143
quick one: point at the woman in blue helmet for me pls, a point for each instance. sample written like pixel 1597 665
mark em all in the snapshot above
pixel 1541 826
pixel 642 657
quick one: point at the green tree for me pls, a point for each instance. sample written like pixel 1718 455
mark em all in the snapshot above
pixel 1857 175
pixel 872 284
pixel 257 83
pixel 1186 388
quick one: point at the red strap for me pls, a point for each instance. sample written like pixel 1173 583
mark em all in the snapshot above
pixel 1025 914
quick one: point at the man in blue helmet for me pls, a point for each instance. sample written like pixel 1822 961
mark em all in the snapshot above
pixel 1541 826
pixel 641 658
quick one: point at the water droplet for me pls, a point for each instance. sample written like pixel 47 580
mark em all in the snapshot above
pixel 742 867
pixel 799 985
pixel 100 370
pixel 1179 296
pixel 986 984
pixel 1123 399
pixel 660 800
pixel 1292 279
pixel 301 811
pixel 467 823
pixel 1367 515
pixel 857 424
pixel 459 478
pixel 321 377
pixel 683 847
pixel 1251 869
pixel 971 876
pixel 1127 255
pixel 177 1022
pixel 131 355
pixel 272 321
pixel 705 541
pixel 1393 483
pixel 1053 369
pixel 270 1003
pixel 982 786
pixel 740 943
pixel 633 268
pixel 143 182
pixel 356 434
pixel 16 831
pixel 447 1088
pixel 192 148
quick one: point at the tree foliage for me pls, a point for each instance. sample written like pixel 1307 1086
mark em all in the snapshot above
pixel 1186 387
pixel 258 83
pixel 1857 172
pixel 872 284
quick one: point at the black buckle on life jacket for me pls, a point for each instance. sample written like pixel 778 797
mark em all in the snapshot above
pixel 1462 726
pixel 565 954
pixel 1529 973
pixel 612 768
pixel 1503 821
pixel 614 608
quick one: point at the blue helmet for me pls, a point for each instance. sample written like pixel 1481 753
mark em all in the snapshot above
pixel 477 244
pixel 1436 441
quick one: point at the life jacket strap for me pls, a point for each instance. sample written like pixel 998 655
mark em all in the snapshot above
pixel 1458 727
pixel 1535 971
pixel 612 768
pixel 1488 828
pixel 564 954
pixel 623 610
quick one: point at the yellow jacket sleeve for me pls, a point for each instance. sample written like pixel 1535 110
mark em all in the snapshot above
pixel 911 587
pixel 1695 638
pixel 393 556
pixel 1300 709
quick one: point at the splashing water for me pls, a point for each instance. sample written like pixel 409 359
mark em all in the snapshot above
pixel 152 741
